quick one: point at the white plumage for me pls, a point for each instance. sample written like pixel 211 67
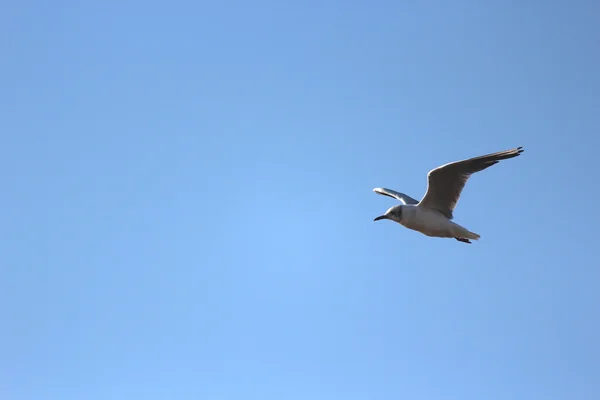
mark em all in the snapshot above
pixel 432 216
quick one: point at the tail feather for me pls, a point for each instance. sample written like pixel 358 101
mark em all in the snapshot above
pixel 473 236
pixel 462 232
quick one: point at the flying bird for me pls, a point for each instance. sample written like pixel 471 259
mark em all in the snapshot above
pixel 432 216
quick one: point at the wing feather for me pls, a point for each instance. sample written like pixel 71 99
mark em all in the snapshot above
pixel 445 183
pixel 406 199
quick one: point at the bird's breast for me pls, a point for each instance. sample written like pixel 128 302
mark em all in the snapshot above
pixel 425 221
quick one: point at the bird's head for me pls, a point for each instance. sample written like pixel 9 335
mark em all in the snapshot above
pixel 394 214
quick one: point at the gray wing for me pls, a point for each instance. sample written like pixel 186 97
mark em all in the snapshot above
pixel 396 195
pixel 445 183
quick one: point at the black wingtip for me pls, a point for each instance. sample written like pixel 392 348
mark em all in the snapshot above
pixel 508 154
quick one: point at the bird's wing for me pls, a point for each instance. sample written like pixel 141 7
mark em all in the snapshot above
pixel 445 183
pixel 396 195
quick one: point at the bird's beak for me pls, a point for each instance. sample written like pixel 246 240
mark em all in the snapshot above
pixel 380 217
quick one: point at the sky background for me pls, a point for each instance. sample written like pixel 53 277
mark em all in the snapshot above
pixel 187 206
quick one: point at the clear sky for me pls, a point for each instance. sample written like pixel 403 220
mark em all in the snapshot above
pixel 187 205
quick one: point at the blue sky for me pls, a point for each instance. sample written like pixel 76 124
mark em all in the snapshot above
pixel 187 205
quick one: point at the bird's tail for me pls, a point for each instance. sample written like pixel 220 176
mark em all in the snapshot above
pixel 461 231
pixel 473 236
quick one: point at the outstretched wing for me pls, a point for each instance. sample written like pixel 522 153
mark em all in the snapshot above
pixel 445 183
pixel 396 195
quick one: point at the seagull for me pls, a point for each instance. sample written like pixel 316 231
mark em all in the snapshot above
pixel 432 216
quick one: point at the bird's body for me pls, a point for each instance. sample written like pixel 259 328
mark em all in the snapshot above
pixel 432 216
pixel 432 223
